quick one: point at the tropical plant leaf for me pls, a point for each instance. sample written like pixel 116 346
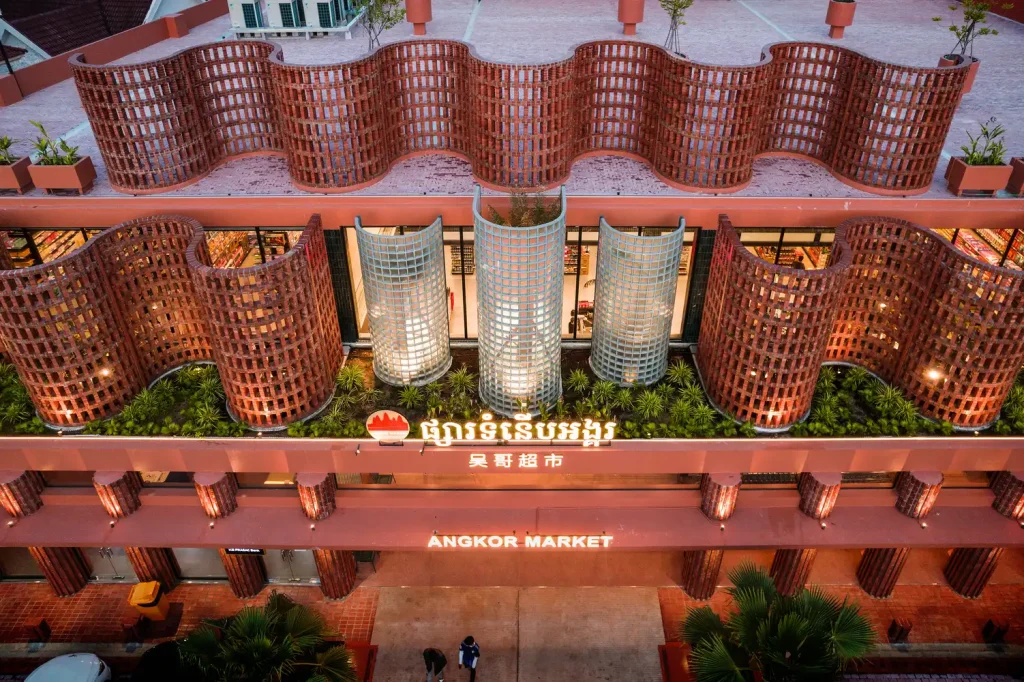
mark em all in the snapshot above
pixel 713 662
pixel 700 624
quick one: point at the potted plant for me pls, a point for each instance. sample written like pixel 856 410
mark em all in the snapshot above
pixel 58 165
pixel 967 29
pixel 1016 184
pixel 981 168
pixel 13 170
pixel 839 16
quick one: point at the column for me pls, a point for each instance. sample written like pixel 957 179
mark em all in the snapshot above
pixel 819 492
pixel 916 492
pixel 879 570
pixel 969 569
pixel 700 572
pixel 631 13
pixel 1008 487
pixel 718 493
pixel 337 570
pixel 316 494
pixel 20 492
pixel 417 13
pixel 404 285
pixel 118 491
pixel 247 573
pixel 217 493
pixel 790 568
pixel 155 563
pixel 66 569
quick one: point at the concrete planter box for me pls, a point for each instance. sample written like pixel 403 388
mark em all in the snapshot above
pixel 77 177
pixel 838 17
pixel 16 176
pixel 1016 184
pixel 988 179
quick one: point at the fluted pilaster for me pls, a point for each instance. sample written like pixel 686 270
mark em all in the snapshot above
pixel 819 492
pixel 118 491
pixel 880 568
pixel 20 492
pixel 337 570
pixel 1008 487
pixel 916 492
pixel 247 573
pixel 969 569
pixel 217 493
pixel 718 493
pixel 66 569
pixel 316 494
pixel 700 572
pixel 155 563
pixel 790 568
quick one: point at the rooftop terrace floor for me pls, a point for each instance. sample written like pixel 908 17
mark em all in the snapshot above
pixel 537 31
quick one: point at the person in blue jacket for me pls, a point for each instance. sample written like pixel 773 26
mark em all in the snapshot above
pixel 469 654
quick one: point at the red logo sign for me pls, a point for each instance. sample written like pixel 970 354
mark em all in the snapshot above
pixel 387 425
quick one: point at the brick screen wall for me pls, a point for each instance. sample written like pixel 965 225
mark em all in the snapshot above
pixel 877 126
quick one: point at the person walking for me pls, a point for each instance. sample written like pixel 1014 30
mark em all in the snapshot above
pixel 469 654
pixel 435 661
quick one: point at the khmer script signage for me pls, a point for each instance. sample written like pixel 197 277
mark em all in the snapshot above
pixel 513 542
pixel 589 433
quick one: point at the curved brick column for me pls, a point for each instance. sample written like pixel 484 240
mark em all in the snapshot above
pixel 880 568
pixel 20 492
pixel 404 286
pixel 917 491
pixel 274 330
pixel 155 563
pixel 66 569
pixel 634 298
pixel 902 319
pixel 759 365
pixel 700 572
pixel 969 569
pixel 1008 487
pixel 316 494
pixel 819 492
pixel 790 568
pixel 718 493
pixel 337 571
pixel 520 278
pixel 817 101
pixel 217 493
pixel 247 574
pixel 118 491
pixel 106 319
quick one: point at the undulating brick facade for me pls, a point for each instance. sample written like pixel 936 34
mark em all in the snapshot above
pixel 875 125
pixel 896 299
pixel 141 299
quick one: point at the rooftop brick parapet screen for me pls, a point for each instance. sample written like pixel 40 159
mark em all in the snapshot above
pixel 877 126
pixel 88 331
pixel 896 299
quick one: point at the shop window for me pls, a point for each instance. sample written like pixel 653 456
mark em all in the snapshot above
pixel 16 563
pixel 1001 247
pixel 292 566
pixel 868 479
pixel 264 480
pixel 110 564
pixel 166 479
pixel 200 563
pixel 768 480
pixel 68 479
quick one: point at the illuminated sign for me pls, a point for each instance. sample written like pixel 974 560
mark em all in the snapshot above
pixel 509 460
pixel 387 425
pixel 588 432
pixel 243 550
pixel 513 542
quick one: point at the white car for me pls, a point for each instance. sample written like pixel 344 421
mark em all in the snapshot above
pixel 72 668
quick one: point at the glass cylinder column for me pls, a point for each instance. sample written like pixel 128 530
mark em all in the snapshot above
pixel 633 304
pixel 519 289
pixel 404 286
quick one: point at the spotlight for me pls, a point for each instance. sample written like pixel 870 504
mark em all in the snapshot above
pixel 722 527
pixel 211 524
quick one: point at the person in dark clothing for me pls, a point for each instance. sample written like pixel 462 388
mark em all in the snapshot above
pixel 469 654
pixel 572 321
pixel 436 661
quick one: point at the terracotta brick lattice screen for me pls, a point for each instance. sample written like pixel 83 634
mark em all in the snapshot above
pixel 896 299
pixel 877 126
pixel 88 331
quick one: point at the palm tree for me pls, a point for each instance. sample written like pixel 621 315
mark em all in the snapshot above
pixel 811 636
pixel 279 642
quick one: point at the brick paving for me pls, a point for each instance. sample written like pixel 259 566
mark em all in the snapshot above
pixel 541 30
pixel 97 612
pixel 937 614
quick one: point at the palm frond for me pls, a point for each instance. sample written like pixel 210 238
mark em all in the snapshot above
pixel 700 624
pixel 713 662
